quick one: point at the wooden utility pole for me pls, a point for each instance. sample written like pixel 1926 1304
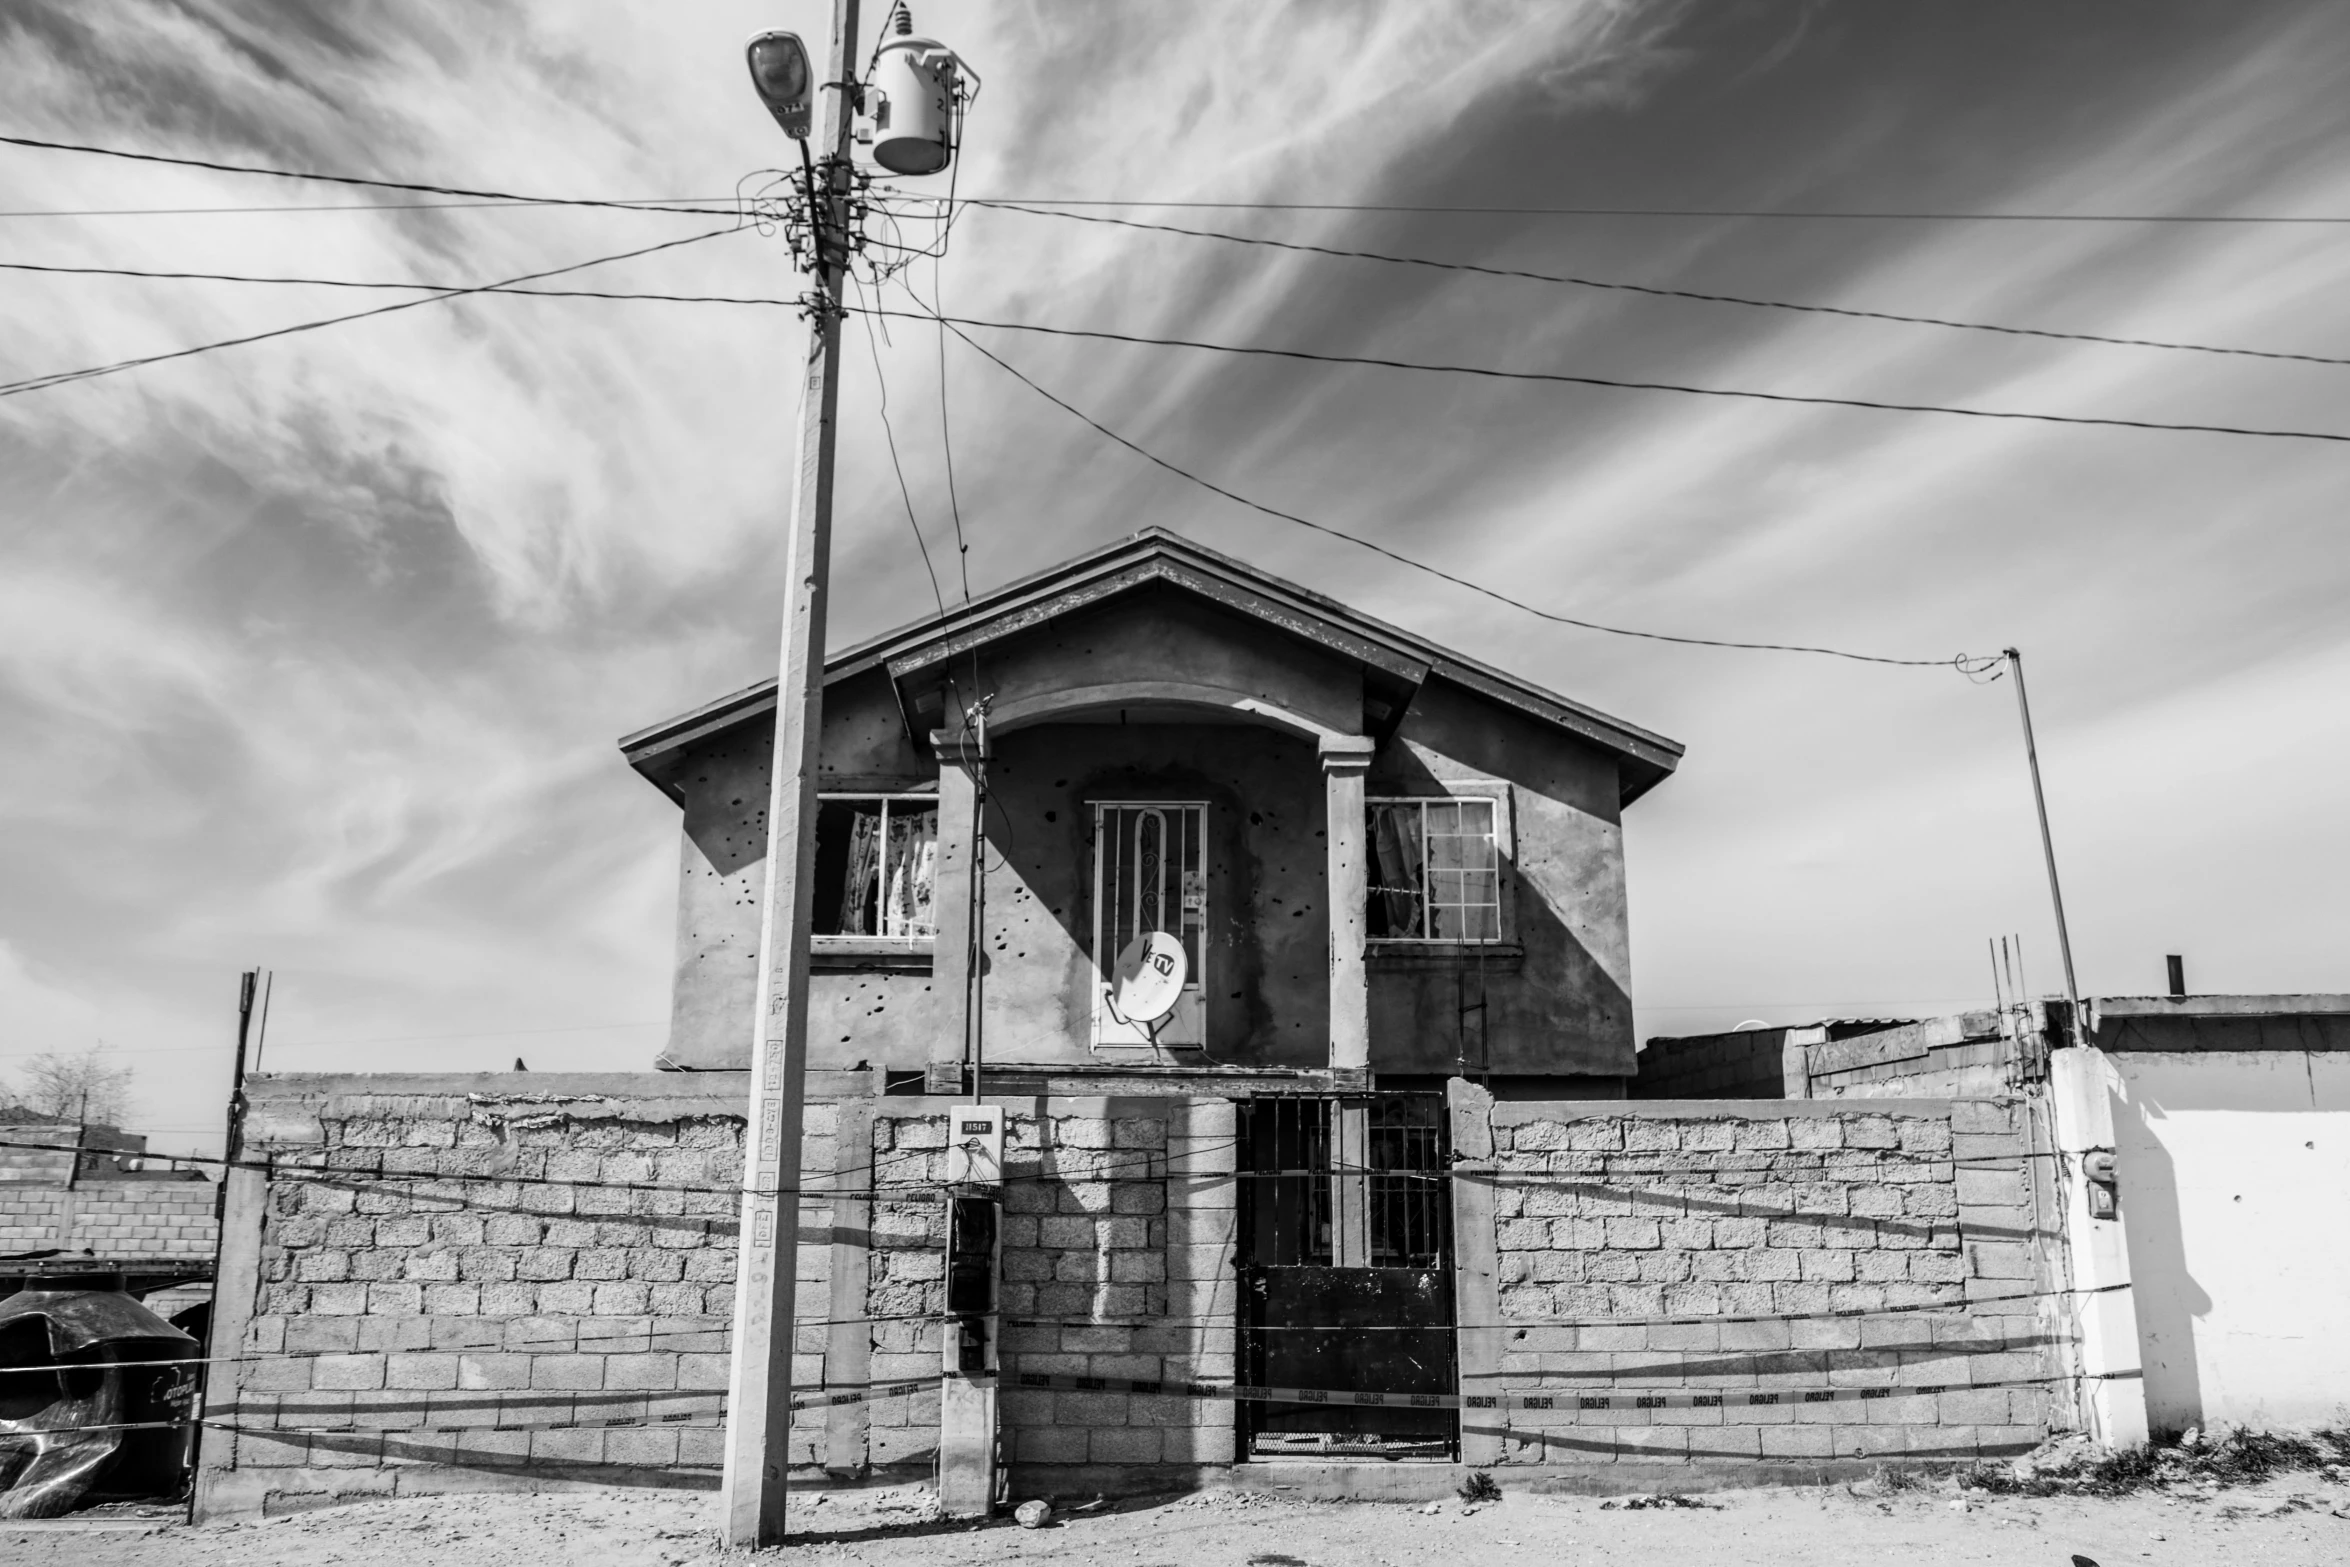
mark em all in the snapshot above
pixel 758 1409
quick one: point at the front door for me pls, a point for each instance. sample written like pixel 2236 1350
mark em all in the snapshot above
pixel 1150 873
pixel 1307 1323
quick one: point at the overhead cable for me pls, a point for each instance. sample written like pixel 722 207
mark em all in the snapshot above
pixel 38 383
pixel 1870 404
pixel 1669 293
pixel 644 204
pixel 265 171
pixel 905 492
pixel 1561 378
pixel 1809 215
pixel 1962 662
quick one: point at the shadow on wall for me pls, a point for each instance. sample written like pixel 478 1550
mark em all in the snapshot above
pixel 2224 1159
pixel 1559 1007
pixel 2158 1251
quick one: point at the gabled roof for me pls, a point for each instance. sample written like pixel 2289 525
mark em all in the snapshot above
pixel 1392 655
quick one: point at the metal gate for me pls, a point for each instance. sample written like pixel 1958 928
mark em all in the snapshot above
pixel 1346 1272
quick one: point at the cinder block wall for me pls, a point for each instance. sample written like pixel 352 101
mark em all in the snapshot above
pixel 1117 1262
pixel 1747 1065
pixel 1601 1216
pixel 561 1252
pixel 129 1221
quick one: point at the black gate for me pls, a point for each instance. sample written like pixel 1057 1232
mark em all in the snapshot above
pixel 1383 1325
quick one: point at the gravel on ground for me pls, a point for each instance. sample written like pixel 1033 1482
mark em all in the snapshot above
pixel 2288 1521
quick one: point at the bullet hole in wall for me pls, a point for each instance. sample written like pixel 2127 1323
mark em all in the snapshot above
pixel 1052 816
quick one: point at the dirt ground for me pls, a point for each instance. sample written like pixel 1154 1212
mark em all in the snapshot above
pixel 2282 1523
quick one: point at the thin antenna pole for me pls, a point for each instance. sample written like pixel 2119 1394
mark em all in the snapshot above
pixel 1998 996
pixel 261 1032
pixel 2064 940
pixel 81 1136
pixel 978 965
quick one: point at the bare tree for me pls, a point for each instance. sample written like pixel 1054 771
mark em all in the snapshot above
pixel 84 1085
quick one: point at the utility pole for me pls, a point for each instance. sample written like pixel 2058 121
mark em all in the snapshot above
pixel 758 1409
pixel 232 1148
pixel 2064 940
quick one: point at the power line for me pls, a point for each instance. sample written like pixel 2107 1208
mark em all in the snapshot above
pixel 946 439
pixel 905 492
pixel 349 179
pixel 37 383
pixel 1556 378
pixel 646 204
pixel 406 287
pixel 1559 378
pixel 1961 662
pixel 1800 214
pixel 1674 293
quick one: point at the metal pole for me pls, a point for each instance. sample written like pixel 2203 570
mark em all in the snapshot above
pixel 978 969
pixel 2064 940
pixel 758 1409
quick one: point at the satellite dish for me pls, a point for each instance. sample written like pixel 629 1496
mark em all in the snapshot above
pixel 1148 979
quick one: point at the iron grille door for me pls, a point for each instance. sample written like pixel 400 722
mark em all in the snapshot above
pixel 1305 1323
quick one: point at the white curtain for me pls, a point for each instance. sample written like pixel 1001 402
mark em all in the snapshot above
pixel 1398 866
pixel 906 908
pixel 864 871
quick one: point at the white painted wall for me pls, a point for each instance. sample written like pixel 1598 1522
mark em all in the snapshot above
pixel 2235 1191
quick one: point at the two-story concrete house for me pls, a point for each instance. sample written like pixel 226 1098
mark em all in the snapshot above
pixel 1381 859
pixel 1367 1184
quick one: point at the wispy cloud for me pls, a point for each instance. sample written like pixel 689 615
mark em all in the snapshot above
pixel 311 652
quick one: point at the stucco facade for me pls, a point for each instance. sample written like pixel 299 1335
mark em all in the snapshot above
pixel 1156 672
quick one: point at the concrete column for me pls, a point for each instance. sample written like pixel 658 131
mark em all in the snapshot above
pixel 967 1426
pixel 1476 1286
pixel 848 1346
pixel 244 1199
pixel 1350 1187
pixel 1345 758
pixel 950 964
pixel 2081 1086
pixel 1795 1061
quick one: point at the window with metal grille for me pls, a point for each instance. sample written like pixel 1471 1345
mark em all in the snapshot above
pixel 1150 874
pixel 1411 1202
pixel 1435 870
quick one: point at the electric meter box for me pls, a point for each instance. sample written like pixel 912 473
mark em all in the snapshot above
pixel 975 1145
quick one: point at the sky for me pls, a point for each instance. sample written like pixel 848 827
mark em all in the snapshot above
pixel 313 652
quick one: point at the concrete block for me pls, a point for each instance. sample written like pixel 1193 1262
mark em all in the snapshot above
pixel 486 1372
pixel 1634 1234
pixel 1138 1132
pixel 1930 1202
pixel 339 1300
pixel 648 1448
pixel 1095 1410
pixel 1051 1444
pixel 568 1372
pixel 1125 1445
pixel 1827 1266
pixel 316 1335
pixel 347 1372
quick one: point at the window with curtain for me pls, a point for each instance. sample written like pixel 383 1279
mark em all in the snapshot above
pixel 1435 870
pixel 876 866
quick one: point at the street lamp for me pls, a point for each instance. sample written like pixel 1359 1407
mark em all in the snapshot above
pixel 780 74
